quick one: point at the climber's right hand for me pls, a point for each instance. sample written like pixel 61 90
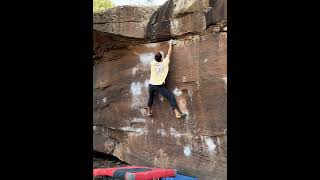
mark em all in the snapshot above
pixel 173 42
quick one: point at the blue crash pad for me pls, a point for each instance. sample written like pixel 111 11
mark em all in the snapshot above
pixel 180 177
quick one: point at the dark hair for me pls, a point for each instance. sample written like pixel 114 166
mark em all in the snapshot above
pixel 158 57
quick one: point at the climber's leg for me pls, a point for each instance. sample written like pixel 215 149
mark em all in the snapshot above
pixel 151 97
pixel 166 93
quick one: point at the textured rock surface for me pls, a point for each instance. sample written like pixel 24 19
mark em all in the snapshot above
pixel 127 21
pixel 196 145
pixel 183 7
pixel 193 22
pixel 175 17
pixel 197 77
pixel 178 17
pixel 104 42
pixel 101 160
pixel 216 12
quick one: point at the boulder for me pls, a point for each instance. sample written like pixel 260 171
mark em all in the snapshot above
pixel 130 21
pixel 124 42
pixel 182 7
pixel 193 22
pixel 216 12
pixel 174 18
pixel 180 17
pixel 195 145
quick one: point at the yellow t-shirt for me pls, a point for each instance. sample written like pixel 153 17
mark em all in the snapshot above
pixel 159 71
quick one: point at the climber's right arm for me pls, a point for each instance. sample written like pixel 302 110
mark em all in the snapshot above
pixel 169 50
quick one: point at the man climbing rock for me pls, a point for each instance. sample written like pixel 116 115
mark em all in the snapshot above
pixel 159 72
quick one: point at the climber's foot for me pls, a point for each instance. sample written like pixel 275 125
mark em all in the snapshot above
pixel 178 114
pixel 149 111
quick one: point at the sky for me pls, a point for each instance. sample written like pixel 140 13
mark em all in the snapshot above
pixel 138 2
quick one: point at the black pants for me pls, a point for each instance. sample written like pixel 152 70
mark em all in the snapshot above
pixel 164 92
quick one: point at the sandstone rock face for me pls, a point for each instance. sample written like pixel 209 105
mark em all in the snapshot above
pixel 104 42
pixel 174 18
pixel 194 22
pixel 158 27
pixel 127 21
pixel 178 17
pixel 216 12
pixel 183 7
pixel 195 145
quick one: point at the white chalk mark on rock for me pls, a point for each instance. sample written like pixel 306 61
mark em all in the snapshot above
pixel 146 83
pixel 138 100
pixel 162 132
pixel 174 133
pixel 184 78
pixel 134 71
pixel 136 88
pixel 205 60
pixel 104 100
pixel 131 129
pixel 187 151
pixel 138 120
pixel 210 143
pixel 146 58
pixel 190 94
pixel 177 92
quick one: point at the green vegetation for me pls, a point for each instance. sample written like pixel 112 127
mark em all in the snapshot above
pixel 101 5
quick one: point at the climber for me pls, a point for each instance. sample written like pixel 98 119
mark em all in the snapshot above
pixel 159 72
